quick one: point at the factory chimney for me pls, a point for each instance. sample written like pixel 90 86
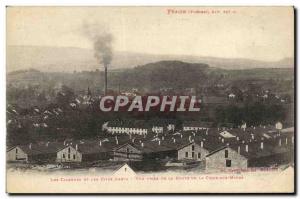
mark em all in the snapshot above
pixel 105 80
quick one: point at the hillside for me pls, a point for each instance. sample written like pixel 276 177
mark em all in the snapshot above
pixel 69 59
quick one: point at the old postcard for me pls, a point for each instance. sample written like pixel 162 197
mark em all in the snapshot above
pixel 150 100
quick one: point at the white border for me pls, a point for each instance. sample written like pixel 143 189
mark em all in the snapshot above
pixel 5 3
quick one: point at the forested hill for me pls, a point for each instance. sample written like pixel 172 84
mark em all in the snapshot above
pixel 175 74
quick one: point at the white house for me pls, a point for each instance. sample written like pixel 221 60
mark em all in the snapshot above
pixel 16 154
pixel 124 170
pixel 231 95
pixel 195 125
pixel 225 157
pixel 69 154
pixel 127 130
pixel 278 126
pixel 157 129
pixel 191 151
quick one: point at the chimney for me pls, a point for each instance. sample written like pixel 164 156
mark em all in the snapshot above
pixel 222 140
pixel 286 141
pixel 162 138
pixel 100 143
pixel 180 135
pixel 206 132
pixel 201 144
pixel 47 144
pixel 279 143
pixel 262 145
pixel 159 142
pixel 76 147
pixel 117 141
pixel 142 144
pixel 293 139
pixel 65 142
pixel 246 148
pixel 237 138
pixel 105 79
pixel 252 136
pixel 174 140
pixel 30 146
pixel 239 150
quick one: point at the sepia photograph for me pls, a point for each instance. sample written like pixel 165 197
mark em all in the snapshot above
pixel 118 99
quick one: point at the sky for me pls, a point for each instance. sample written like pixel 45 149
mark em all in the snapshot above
pixel 262 33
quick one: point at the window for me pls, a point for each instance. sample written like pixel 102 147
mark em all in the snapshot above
pixel 228 163
pixel 74 157
pixel 226 153
pixel 186 154
pixel 127 152
pixel 64 155
pixel 69 150
pixel 193 147
pixel 199 155
pixel 193 154
pixel 16 150
pixel 69 156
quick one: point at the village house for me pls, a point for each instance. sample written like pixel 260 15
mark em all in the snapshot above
pixel 20 154
pixel 171 127
pixel 256 152
pixel 128 127
pixel 157 129
pixel 159 149
pixel 191 151
pixel 231 95
pixel 162 125
pixel 31 153
pixel 278 126
pixel 126 130
pixel 69 154
pixel 87 151
pixel 124 170
pixel 225 157
pixel 127 152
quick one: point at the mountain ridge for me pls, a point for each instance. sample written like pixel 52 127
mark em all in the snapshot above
pixel 69 59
